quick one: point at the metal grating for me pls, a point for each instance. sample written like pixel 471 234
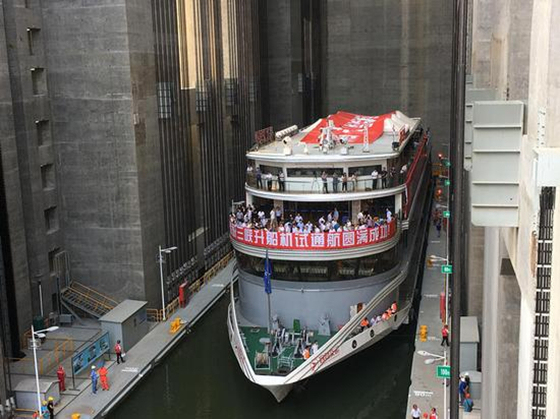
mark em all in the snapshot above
pixel 542 303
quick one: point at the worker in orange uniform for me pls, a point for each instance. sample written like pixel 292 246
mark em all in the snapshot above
pixel 103 378
pixel 364 323
pixel 306 353
pixel 61 374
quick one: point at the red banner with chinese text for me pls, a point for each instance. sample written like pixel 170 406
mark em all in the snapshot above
pixel 313 241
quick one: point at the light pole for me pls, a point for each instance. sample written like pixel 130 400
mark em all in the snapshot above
pixel 430 361
pixel 34 345
pixel 160 261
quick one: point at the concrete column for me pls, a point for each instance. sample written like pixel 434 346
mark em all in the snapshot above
pixel 489 323
pixel 398 203
pixel 248 198
pixel 356 208
pixel 525 358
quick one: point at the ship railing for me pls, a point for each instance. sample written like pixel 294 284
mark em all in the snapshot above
pixel 315 241
pixel 316 186
pixel 314 362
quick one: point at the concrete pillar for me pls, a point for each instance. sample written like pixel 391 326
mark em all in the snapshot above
pixel 525 358
pixel 398 203
pixel 509 300
pixel 490 324
pixel 356 208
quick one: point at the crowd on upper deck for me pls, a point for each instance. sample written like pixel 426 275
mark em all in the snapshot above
pixel 277 221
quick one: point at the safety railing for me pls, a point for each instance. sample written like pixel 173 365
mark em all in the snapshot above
pixel 156 315
pixel 314 241
pixel 316 185
pixel 53 358
pixel 91 295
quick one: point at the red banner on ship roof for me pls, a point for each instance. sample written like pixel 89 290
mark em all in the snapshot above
pixel 350 126
pixel 313 241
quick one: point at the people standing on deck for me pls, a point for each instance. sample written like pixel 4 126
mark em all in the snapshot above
pixel 389 215
pixel 404 169
pixel 392 175
pixel 438 226
pixel 433 414
pixel 383 177
pixel 325 185
pixel 94 378
pixel 374 177
pixel 364 324
pixel 344 182
pixel 354 180
pixel 445 335
pixel 336 214
pixel 281 181
pixel 278 212
pixel 335 182
pixel 394 307
pixel 258 174
pixel 306 353
pixel 269 179
pixel 273 221
pixel 415 413
pixel 314 348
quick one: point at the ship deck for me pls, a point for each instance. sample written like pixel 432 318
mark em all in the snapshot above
pixel 255 341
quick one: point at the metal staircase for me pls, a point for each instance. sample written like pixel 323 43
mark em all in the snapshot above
pixel 87 300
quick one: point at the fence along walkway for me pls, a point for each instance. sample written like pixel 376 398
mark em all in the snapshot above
pixel 156 315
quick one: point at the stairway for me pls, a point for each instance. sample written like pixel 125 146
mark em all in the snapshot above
pixel 88 300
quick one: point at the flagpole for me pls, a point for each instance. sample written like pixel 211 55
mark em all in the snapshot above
pixel 268 288
pixel 269 316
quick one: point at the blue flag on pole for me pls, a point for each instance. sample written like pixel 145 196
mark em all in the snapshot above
pixel 267 275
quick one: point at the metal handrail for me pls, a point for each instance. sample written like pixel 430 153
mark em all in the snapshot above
pixel 156 314
pixel 90 291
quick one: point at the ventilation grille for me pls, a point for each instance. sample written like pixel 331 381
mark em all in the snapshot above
pixel 542 304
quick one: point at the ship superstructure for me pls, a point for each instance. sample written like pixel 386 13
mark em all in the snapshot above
pixel 334 220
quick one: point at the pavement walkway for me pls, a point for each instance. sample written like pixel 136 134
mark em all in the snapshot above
pixel 144 356
pixel 426 390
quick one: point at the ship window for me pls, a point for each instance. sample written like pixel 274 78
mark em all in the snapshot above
pixel 322 271
pixel 313 172
pixel 270 169
pixel 364 170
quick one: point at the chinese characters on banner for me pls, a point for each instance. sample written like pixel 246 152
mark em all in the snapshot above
pixel 313 241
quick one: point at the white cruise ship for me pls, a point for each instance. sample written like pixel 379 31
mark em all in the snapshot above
pixel 335 216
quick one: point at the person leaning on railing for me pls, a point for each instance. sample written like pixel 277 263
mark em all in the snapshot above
pixel 245 218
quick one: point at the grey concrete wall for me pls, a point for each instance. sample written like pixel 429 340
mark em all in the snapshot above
pixel 501 40
pixel 284 62
pixel 146 133
pixel 100 87
pixel 386 55
pixel 11 174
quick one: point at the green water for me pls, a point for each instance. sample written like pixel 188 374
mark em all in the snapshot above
pixel 200 378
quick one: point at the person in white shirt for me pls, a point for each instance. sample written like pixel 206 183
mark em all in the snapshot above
pixel 415 412
pixel 389 215
pixel 374 177
pixel 314 348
